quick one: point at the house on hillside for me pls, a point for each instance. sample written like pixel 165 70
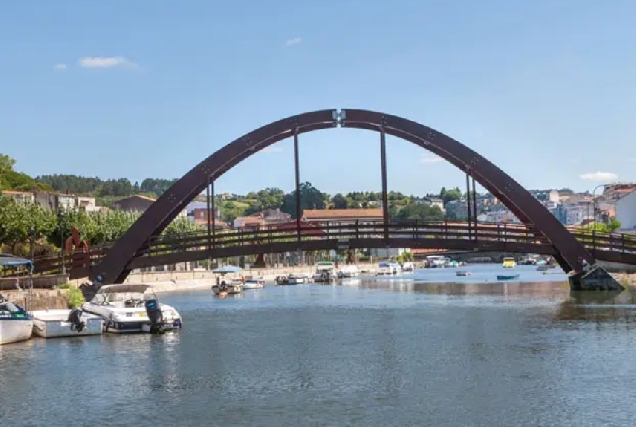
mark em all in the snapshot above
pixel 200 217
pixel 626 212
pixel 19 196
pixel 363 216
pixel 262 219
pixel 55 201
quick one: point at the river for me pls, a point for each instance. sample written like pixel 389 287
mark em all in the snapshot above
pixel 406 351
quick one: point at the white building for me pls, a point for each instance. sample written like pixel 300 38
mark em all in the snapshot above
pixel 87 204
pixel 626 212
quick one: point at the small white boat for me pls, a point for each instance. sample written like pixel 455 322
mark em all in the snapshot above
pixel 408 267
pixel 15 323
pixel 325 272
pixel 297 279
pixel 253 283
pixel 66 323
pixel 132 308
pixel 349 271
pixel 388 269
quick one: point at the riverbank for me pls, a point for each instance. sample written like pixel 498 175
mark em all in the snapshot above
pixel 175 281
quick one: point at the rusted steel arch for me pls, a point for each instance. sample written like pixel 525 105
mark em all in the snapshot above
pixel 511 193
pixel 115 266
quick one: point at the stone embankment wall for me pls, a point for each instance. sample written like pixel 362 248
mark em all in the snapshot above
pixel 39 282
pixel 39 299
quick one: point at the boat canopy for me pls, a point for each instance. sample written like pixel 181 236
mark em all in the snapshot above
pixel 124 288
pixel 8 260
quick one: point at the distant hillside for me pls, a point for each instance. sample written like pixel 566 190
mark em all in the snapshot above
pixel 10 179
pixel 97 187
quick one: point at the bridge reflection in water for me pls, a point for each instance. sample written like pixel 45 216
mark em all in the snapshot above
pixel 572 308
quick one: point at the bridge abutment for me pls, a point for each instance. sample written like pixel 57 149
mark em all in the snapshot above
pixel 596 279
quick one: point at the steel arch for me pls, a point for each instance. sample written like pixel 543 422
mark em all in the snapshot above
pixel 115 266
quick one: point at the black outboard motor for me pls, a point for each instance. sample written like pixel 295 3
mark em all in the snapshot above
pixel 75 319
pixel 154 314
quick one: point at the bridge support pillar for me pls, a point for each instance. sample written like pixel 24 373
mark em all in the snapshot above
pixel 597 279
pixel 260 261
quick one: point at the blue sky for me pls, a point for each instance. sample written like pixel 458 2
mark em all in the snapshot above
pixel 544 88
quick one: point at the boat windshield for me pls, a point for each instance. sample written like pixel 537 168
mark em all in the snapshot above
pixel 9 309
pixel 508 260
pixel 124 296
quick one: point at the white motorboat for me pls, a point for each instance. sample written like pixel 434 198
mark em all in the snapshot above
pixel 130 308
pixel 252 282
pixel 66 323
pixel 15 323
pixel 437 261
pixel 297 279
pixel 408 267
pixel 349 271
pixel 388 269
pixel 325 272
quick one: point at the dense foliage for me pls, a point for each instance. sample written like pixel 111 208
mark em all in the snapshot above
pixel 22 223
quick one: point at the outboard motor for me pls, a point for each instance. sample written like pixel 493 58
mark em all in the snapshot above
pixel 75 319
pixel 2 298
pixel 154 314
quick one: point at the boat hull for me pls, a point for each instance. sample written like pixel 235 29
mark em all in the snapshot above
pixel 15 330
pixel 229 290
pixel 54 324
pixel 247 286
pixel 508 277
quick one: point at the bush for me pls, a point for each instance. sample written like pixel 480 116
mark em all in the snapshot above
pixel 75 297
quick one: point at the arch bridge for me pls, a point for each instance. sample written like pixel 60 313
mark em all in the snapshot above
pixel 569 252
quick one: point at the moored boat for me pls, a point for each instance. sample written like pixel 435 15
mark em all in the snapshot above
pixel 349 271
pixel 252 282
pixel 131 308
pixel 66 323
pixel 462 273
pixel 224 288
pixel 507 276
pixel 15 323
pixel 509 262
pixel 325 272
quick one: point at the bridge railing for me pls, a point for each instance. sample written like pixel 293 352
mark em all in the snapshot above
pixel 343 231
pixel 410 232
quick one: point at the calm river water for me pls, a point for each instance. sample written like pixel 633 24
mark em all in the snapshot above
pixel 407 351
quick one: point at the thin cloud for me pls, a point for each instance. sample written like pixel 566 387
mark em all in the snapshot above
pixel 294 41
pixel 60 66
pixel 272 149
pixel 631 159
pixel 427 158
pixel 105 62
pixel 599 176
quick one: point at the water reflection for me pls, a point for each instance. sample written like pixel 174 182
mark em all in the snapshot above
pixel 599 307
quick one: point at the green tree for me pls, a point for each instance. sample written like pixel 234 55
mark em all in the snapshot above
pixel 20 222
pixel 450 195
pixel 420 212
pixel 339 201
pixel 310 198
pixel 182 225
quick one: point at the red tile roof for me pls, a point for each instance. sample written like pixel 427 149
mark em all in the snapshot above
pixel 342 213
